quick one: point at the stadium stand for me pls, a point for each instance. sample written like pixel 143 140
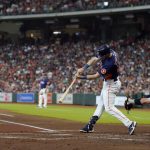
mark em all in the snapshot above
pixel 22 65
pixel 23 62
pixel 18 7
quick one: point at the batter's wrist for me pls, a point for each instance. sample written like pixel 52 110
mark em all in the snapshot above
pixel 83 77
pixel 86 66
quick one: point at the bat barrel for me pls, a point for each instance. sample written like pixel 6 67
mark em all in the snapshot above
pixel 66 92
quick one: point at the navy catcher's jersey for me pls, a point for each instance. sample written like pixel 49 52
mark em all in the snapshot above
pixel 43 83
pixel 109 67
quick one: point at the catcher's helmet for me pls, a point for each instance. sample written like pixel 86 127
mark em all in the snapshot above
pixel 102 50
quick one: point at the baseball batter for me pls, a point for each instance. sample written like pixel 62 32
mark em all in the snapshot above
pixel 43 92
pixel 109 72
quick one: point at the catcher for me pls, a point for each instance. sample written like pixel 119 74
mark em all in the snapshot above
pixel 130 103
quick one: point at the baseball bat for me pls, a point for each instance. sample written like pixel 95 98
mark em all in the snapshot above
pixel 66 92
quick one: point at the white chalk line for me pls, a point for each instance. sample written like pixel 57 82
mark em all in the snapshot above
pixel 62 131
pixel 26 125
pixel 68 137
pixel 99 136
pixel 34 138
pixel 16 133
pixel 7 115
pixel 118 137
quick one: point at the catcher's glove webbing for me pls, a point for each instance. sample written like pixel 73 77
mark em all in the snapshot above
pixel 128 105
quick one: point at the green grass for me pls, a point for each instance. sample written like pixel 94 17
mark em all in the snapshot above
pixel 75 113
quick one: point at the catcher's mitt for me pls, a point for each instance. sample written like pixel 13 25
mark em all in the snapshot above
pixel 128 105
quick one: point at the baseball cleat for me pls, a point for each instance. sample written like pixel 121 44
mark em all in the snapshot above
pixel 132 127
pixel 87 129
pixel 39 106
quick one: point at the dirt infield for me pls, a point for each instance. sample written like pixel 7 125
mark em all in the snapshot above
pixel 23 132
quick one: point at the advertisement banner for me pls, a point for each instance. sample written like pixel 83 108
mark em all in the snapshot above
pixel 49 98
pixel 5 97
pixel 119 100
pixel 25 97
pixel 68 99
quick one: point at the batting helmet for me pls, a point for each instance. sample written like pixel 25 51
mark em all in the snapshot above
pixel 103 50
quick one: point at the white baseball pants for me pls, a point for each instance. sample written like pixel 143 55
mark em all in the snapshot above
pixel 107 100
pixel 42 98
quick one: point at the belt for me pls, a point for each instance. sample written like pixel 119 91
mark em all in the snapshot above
pixel 111 80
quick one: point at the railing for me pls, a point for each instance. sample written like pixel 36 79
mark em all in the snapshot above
pixel 76 13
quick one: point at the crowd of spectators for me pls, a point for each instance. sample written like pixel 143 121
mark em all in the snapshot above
pixel 18 7
pixel 23 65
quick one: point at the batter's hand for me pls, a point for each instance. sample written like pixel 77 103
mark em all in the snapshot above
pixel 80 72
pixel 81 77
